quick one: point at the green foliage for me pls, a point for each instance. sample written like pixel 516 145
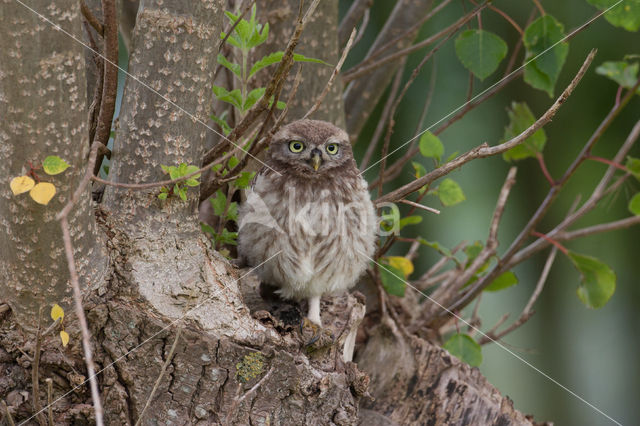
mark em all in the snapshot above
pixel 410 220
pixel 180 188
pixel 625 15
pixel 419 172
pixel 633 165
pixel 450 193
pixel 542 34
pixel 393 275
pixel 251 366
pixel 463 347
pixel 598 280
pixel 634 205
pixel 480 52
pixel 54 165
pixel 226 211
pixel 521 118
pixel 503 281
pixel 622 72
pixel 431 146
pixel 275 57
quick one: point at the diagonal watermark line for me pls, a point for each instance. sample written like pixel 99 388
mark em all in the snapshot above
pixel 568 36
pixel 148 339
pixel 515 355
pixel 145 85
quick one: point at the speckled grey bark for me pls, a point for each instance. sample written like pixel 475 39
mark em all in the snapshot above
pixel 363 94
pixel 43 110
pixel 319 40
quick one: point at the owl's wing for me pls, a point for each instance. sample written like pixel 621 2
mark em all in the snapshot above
pixel 263 172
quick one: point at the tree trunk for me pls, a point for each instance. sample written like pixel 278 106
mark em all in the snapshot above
pixel 239 359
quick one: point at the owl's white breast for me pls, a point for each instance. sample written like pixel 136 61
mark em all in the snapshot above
pixel 324 234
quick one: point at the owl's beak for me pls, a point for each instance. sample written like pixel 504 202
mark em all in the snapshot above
pixel 316 158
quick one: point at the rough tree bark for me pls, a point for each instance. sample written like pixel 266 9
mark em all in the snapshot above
pixel 240 359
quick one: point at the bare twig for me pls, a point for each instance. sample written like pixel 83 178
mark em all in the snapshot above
pixel 351 18
pixel 7 413
pixel 50 400
pixel 363 27
pixel 420 206
pixel 335 72
pixel 4 308
pixel 159 379
pixel 91 18
pixel 484 150
pixel 35 382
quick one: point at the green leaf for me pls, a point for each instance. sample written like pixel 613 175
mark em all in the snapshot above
pixel 480 52
pixel 243 180
pixel 463 347
pixel 450 193
pixel 633 164
pixel 431 146
pixel 232 40
pixel 182 192
pixel 543 72
pixel 503 281
pixel 226 129
pixel 54 165
pixel 233 162
pixel 634 204
pixel 207 228
pixel 234 68
pixel 472 251
pixel 598 280
pixel 392 281
pixel 276 57
pixel 625 15
pixel 281 105
pixel 219 203
pixel 419 172
pixel 232 211
pixel 410 220
pixel 253 97
pixel 436 246
pixel 233 97
pixel 520 119
pixel 621 72
pixel 163 195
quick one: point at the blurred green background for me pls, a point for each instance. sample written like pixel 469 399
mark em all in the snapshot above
pixel 594 353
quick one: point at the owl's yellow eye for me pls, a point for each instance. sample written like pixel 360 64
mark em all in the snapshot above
pixel 296 146
pixel 332 148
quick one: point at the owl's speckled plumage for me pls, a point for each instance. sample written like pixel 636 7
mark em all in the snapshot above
pixel 322 221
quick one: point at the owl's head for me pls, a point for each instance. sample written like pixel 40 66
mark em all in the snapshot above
pixel 311 148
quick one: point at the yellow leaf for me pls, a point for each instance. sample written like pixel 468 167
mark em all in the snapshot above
pixel 43 192
pixel 401 263
pixel 21 184
pixel 57 312
pixel 64 336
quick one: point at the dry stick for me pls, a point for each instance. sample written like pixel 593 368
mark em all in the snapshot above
pixel 373 143
pixel 49 400
pixel 527 312
pixel 159 379
pixel 97 91
pixel 505 16
pixel 596 229
pixel 362 70
pixel 484 150
pixel 91 18
pixel 280 74
pixel 335 72
pixel 351 18
pixel 4 308
pixel 513 256
pixel 35 383
pixel 363 27
pixel 391 43
pixel 420 206
pixel 7 413
pixel 73 277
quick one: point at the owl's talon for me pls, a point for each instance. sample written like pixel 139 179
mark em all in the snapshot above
pixel 321 337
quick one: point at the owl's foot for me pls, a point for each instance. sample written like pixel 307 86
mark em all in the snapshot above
pixel 314 335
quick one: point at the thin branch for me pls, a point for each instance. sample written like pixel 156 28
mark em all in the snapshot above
pixel 539 6
pixel 4 308
pixel 484 150
pixel 351 18
pixel 361 70
pixel 91 18
pixel 7 413
pixel 35 382
pixel 420 206
pixel 363 27
pixel 159 379
pixel 50 400
pixel 597 229
pixel 335 72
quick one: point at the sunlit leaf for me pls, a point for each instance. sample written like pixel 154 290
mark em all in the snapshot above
pixel 431 146
pixel 541 40
pixel 64 336
pixel 521 118
pixel 480 52
pixel 57 312
pixel 463 347
pixel 54 165
pixel 598 280
pixel 43 192
pixel 401 263
pixel 450 193
pixel 21 184
pixel 503 281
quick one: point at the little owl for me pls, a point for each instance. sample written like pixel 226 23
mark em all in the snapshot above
pixel 308 222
